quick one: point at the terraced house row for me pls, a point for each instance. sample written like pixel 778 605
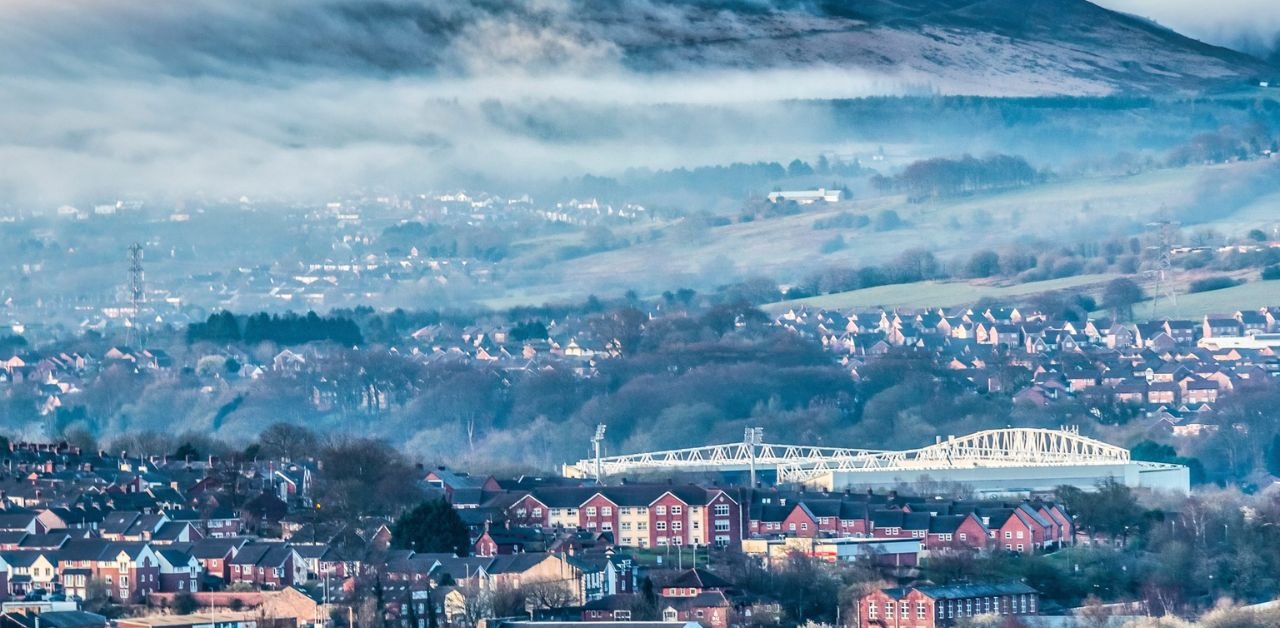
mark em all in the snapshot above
pixel 660 515
pixel 654 515
pixel 1022 527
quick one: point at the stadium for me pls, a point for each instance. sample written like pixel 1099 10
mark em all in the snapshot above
pixel 1000 461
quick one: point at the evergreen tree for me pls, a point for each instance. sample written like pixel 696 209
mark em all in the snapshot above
pixel 1273 456
pixel 433 526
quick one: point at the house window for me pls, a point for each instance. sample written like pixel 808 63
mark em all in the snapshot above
pixel 904 609
pixel 659 510
pixel 606 511
pixel 888 610
pixel 626 525
pixel 793 527
pixel 1008 534
pixel 676 526
pixel 660 526
pixel 591 511
pixel 722 526
pixel 871 610
pixel 1019 533
pixel 1021 547
pixel 676 510
pixel 804 526
pixel 537 513
pixel 964 536
pixel 920 610
pixel 662 541
pixel 722 510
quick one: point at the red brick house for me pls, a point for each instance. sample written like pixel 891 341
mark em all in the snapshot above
pixel 956 532
pixel 696 595
pixel 942 607
pixel 529 511
pixel 599 514
pixel 800 522
pixel 505 541
pixel 215 554
pixel 179 571
pixel 636 515
pixel 267 566
pixel 723 519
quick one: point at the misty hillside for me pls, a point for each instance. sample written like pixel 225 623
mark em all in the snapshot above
pixel 985 46
pixel 996 47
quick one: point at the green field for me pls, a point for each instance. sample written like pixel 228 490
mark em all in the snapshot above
pixel 788 248
pixel 1249 296
pixel 941 293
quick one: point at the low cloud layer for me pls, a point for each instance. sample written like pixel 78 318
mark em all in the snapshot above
pixel 64 140
pixel 1251 26
pixel 313 97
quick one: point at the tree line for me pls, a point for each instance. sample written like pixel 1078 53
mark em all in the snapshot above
pixel 940 176
pixel 224 327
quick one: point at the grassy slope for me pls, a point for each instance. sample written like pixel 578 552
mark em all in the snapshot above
pixel 1252 295
pixel 941 294
pixel 787 248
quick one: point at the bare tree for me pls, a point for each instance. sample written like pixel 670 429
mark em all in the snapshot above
pixel 507 601
pixel 550 593
pixel 477 605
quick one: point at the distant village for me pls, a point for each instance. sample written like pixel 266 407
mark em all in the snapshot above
pixel 354 263
pixel 1170 373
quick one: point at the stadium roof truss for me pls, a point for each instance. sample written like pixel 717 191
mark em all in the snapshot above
pixel 1010 447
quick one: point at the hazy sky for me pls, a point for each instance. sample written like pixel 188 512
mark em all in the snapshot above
pixel 1252 24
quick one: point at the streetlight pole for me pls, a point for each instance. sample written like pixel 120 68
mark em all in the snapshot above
pixel 753 437
pixel 595 442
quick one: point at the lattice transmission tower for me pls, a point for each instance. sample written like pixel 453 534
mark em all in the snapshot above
pixel 137 294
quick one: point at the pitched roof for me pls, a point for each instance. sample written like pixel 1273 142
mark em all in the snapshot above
pixel 698 578
pixel 962 591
